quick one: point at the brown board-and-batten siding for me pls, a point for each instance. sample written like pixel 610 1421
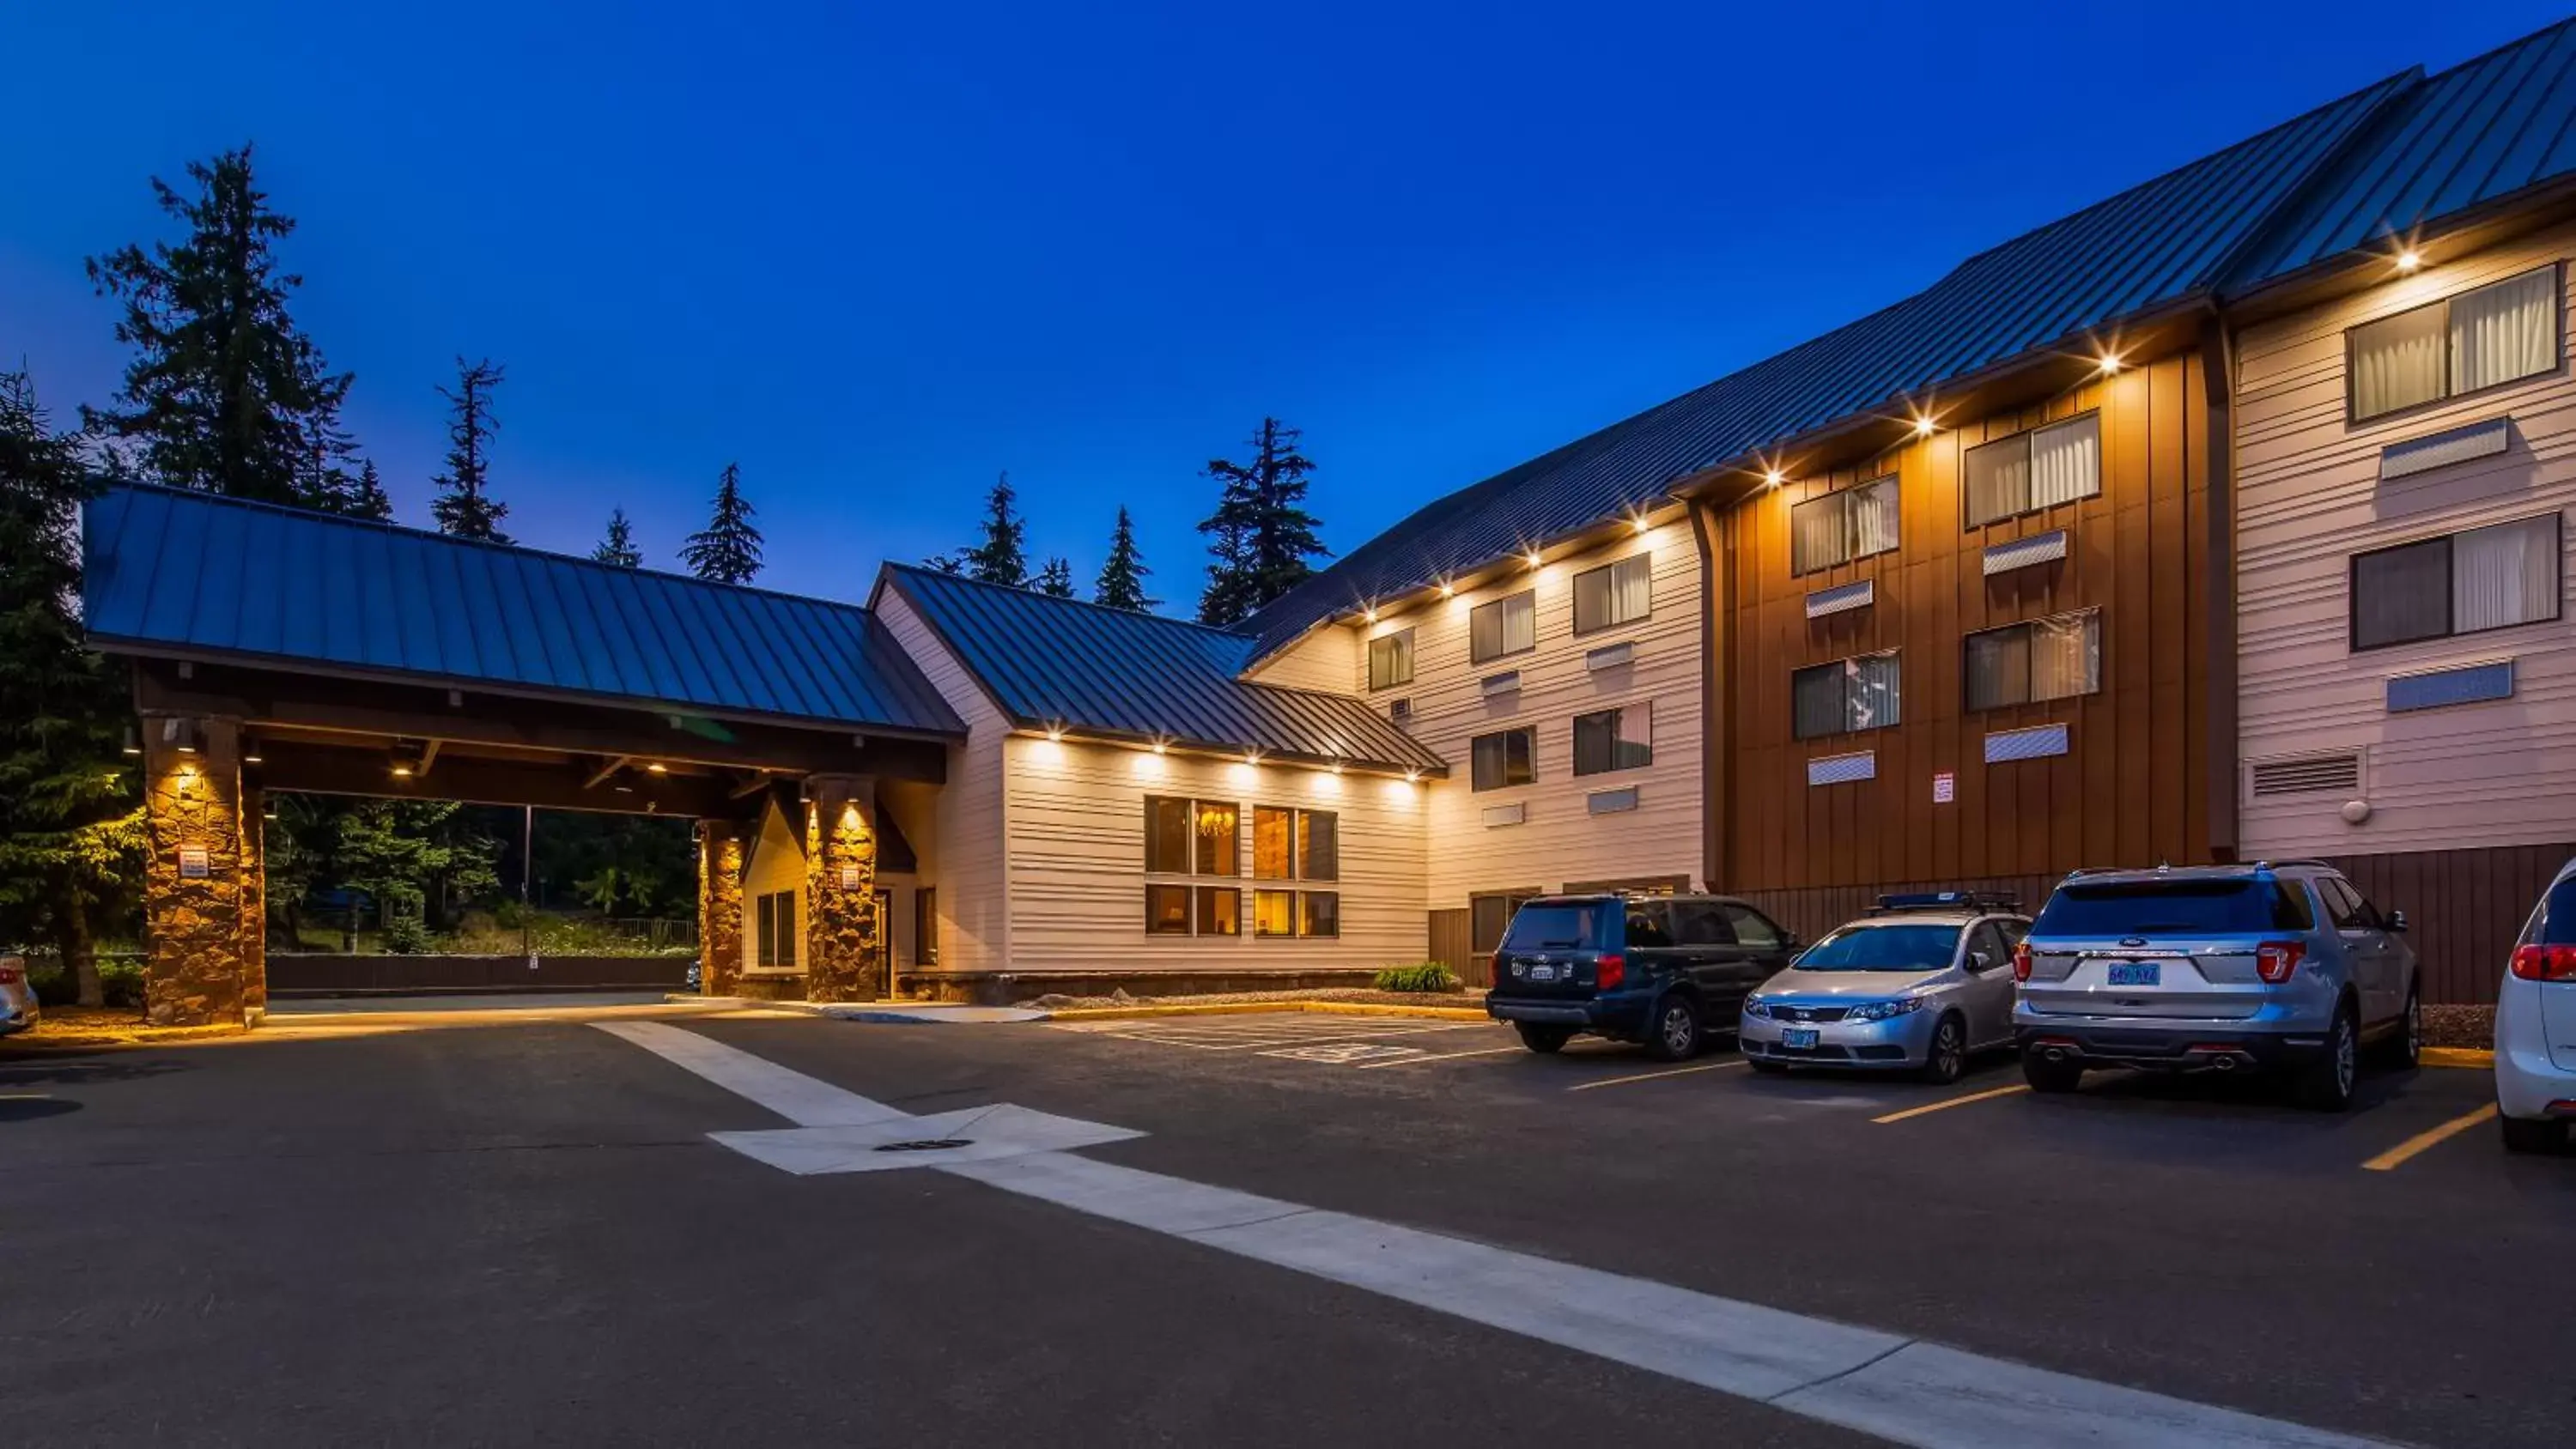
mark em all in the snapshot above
pixel 2464 908
pixel 2131 788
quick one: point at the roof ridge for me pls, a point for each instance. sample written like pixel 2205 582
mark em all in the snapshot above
pixel 2492 51
pixel 1023 591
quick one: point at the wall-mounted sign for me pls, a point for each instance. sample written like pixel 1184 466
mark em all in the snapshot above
pixel 849 877
pixel 1945 787
pixel 192 862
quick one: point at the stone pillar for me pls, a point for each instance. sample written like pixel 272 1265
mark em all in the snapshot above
pixel 719 906
pixel 200 876
pixel 254 939
pixel 843 961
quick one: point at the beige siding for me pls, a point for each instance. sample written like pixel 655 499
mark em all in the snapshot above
pixel 2501 773
pixel 966 817
pixel 1560 841
pixel 1077 859
pixel 777 864
pixel 1328 658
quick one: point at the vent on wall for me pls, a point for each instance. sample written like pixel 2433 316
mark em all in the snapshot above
pixel 1498 815
pixel 1843 769
pixel 1842 600
pixel 1504 683
pixel 1611 802
pixel 2021 553
pixel 1609 656
pixel 2308 775
pixel 2442 688
pixel 2441 450
pixel 2004 746
pixel 1400 710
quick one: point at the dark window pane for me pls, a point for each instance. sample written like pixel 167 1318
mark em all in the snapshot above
pixel 1220 911
pixel 2400 594
pixel 1319 845
pixel 1751 927
pixel 1999 667
pixel 1167 836
pixel 1500 760
pixel 1701 923
pixel 1816 700
pixel 1819 533
pixel 1319 913
pixel 1649 924
pixel 1167 910
pixel 2174 908
pixel 1560 927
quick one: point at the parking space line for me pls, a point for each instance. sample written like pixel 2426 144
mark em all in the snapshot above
pixel 1444 1057
pixel 2398 1156
pixel 1655 1076
pixel 1947 1103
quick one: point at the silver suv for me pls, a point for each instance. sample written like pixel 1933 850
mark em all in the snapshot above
pixel 2215 968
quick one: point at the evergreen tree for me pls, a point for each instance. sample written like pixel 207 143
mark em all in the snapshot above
pixel 367 496
pixel 465 506
pixel 1261 536
pixel 1122 578
pixel 223 393
pixel 1002 557
pixel 1055 580
pixel 71 822
pixel 619 546
pixel 727 551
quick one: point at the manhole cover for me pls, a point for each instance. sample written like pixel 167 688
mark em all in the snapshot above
pixel 927 1144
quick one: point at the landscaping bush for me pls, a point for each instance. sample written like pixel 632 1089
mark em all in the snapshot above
pixel 1427 976
pixel 120 982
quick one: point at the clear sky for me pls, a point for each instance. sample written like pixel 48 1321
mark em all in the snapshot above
pixel 878 253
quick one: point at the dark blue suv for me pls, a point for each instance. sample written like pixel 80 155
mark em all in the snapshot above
pixel 1667 971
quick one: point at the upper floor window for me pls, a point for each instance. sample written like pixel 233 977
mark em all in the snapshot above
pixel 1509 757
pixel 2460 583
pixel 1614 739
pixel 1840 527
pixel 2037 469
pixel 2477 339
pixel 2058 657
pixel 1290 844
pixel 1614 594
pixel 1505 626
pixel 1863 693
pixel 1391 659
pixel 1191 837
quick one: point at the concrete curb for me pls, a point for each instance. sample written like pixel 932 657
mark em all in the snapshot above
pixel 1258 1008
pixel 2478 1057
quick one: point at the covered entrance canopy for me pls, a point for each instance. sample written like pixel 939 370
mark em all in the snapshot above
pixel 275 649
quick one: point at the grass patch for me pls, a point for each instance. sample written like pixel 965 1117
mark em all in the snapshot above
pixel 1427 976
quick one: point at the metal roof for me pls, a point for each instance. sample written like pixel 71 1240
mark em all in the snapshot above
pixel 2148 249
pixel 1052 662
pixel 2477 133
pixel 201 575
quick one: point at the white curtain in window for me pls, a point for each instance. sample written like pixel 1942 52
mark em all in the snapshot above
pixel 2065 657
pixel 1631 583
pixel 2066 461
pixel 1998 480
pixel 1873 518
pixel 1520 623
pixel 2398 362
pixel 1871 695
pixel 2505 331
pixel 2503 575
pixel 1816 535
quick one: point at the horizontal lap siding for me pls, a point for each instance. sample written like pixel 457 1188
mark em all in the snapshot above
pixel 1328 659
pixel 965 864
pixel 2495 774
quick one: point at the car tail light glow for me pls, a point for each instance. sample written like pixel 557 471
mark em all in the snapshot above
pixel 2276 961
pixel 11 975
pixel 2021 961
pixel 2545 963
pixel 1610 971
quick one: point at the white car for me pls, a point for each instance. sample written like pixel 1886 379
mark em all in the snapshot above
pixel 2535 1029
pixel 17 996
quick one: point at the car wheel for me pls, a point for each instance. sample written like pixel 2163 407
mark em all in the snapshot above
pixel 2524 1134
pixel 1949 1054
pixel 2325 1085
pixel 2404 1047
pixel 1543 1039
pixel 2047 1076
pixel 1675 1035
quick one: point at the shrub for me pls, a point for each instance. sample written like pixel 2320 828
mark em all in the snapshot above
pixel 405 936
pixel 1425 976
pixel 120 983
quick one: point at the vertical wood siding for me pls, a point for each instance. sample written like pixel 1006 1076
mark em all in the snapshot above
pixel 966 817
pixel 2131 789
pixel 2464 908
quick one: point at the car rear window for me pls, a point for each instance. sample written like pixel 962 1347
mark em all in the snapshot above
pixel 2557 923
pixel 1573 927
pixel 2175 908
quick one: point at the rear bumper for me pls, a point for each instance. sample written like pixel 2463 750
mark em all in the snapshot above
pixel 2175 1046
pixel 1621 1015
pixel 2528 1082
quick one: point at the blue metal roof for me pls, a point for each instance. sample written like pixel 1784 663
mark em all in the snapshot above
pixel 201 575
pixel 1058 662
pixel 2475 134
pixel 2146 250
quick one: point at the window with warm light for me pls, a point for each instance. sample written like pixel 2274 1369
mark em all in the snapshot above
pixel 1219 850
pixel 1614 594
pixel 1274 913
pixel 2038 469
pixel 2059 657
pixel 1319 845
pixel 2486 337
pixel 1390 659
pixel 1167 910
pixel 1274 830
pixel 775 931
pixel 1840 527
pixel 1220 911
pixel 1505 626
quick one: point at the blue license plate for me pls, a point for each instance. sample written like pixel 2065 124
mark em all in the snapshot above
pixel 2137 973
pixel 1799 1037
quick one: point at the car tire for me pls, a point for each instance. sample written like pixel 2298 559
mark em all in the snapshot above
pixel 1543 1039
pixel 2326 1084
pixel 1947 1057
pixel 1674 1033
pixel 2526 1134
pixel 2404 1047
pixel 2050 1077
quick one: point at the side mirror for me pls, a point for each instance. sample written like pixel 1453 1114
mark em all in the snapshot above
pixel 1789 941
pixel 2397 920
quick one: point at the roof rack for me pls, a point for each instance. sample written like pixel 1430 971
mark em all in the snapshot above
pixel 1950 901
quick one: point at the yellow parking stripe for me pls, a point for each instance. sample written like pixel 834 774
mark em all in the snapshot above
pixel 1655 1076
pixel 2397 1156
pixel 1439 1057
pixel 1947 1104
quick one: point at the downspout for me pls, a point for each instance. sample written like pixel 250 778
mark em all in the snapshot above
pixel 2218 379
pixel 1716 674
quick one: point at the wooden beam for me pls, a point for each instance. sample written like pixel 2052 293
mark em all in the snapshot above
pixel 752 784
pixel 295 765
pixel 602 775
pixel 428 757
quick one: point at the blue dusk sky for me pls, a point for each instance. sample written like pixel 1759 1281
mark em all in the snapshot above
pixel 877 254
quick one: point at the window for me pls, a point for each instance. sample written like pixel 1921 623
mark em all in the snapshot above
pixel 1505 759
pixel 1220 911
pixel 1319 845
pixel 2054 658
pixel 1319 913
pixel 1391 659
pixel 2461 583
pixel 1505 626
pixel 1614 739
pixel 776 933
pixel 1191 837
pixel 1649 925
pixel 1848 694
pixel 1167 836
pixel 1273 829
pixel 2478 339
pixel 1701 923
pixel 1840 527
pixel 1295 844
pixel 2037 469
pixel 1488 915
pixel 1167 910
pixel 1219 852
pixel 1752 928
pixel 925 925
pixel 1274 913
pixel 1614 594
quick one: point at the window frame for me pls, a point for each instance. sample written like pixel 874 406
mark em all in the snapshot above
pixel 1305 918
pixel 2450 584
pixel 2101 668
pixel 1644 558
pixel 1260 931
pixel 2025 438
pixel 1301 846
pixel 773 918
pixel 1841 500
pixel 1529 732
pixel 2450 362
pixel 1843 668
pixel 1530 594
pixel 1407 635
pixel 1616 713
pixel 1202 897
pixel 925 925
pixel 1189 909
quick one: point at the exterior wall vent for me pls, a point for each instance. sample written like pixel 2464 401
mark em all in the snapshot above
pixel 1611 802
pixel 1609 656
pixel 1842 600
pixel 2441 450
pixel 2308 775
pixel 2021 553
pixel 1400 710
pixel 2005 746
pixel 1501 815
pixel 2441 688
pixel 1843 769
pixel 1506 682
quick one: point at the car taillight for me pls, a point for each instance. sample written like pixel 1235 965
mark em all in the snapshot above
pixel 2274 961
pixel 11 975
pixel 2021 961
pixel 1609 972
pixel 2545 963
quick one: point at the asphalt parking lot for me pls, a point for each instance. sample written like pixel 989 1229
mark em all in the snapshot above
pixel 505 1234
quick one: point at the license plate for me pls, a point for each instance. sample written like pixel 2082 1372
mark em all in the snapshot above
pixel 1542 973
pixel 2136 973
pixel 1798 1036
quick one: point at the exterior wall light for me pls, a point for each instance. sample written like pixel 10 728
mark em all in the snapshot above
pixel 1369 615
pixel 1162 747
pixel 1531 558
pixel 1641 523
pixel 402 771
pixel 1413 777
pixel 1775 477
pixel 133 741
pixel 657 768
pixel 2409 260
pixel 1923 426
pixel 1447 589
pixel 2110 363
pixel 1055 734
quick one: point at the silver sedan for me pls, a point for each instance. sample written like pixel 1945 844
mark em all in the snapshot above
pixel 1899 990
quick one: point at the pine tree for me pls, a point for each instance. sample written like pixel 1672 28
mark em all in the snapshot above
pixel 71 822
pixel 1261 536
pixel 1002 557
pixel 619 546
pixel 367 496
pixel 223 393
pixel 728 550
pixel 1122 578
pixel 1055 580
pixel 465 507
